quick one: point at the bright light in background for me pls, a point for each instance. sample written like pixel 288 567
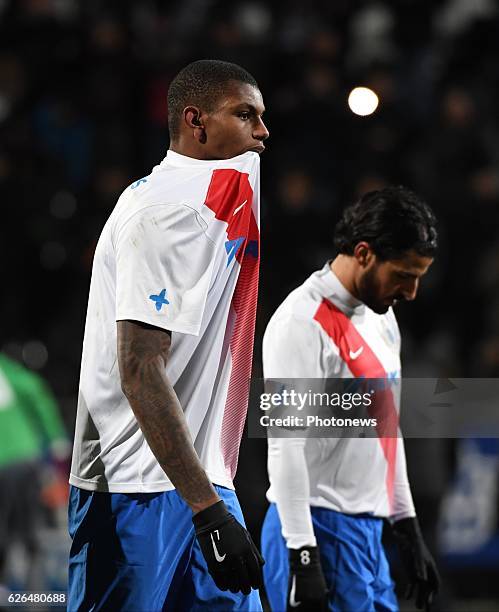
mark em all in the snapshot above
pixel 363 101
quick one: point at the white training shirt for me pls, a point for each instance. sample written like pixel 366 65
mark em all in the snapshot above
pixel 180 251
pixel 318 332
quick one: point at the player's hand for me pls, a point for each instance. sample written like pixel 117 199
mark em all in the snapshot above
pixel 307 590
pixel 424 579
pixel 233 559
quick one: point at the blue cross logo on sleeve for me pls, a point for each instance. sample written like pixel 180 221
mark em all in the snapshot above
pixel 159 299
pixel 139 182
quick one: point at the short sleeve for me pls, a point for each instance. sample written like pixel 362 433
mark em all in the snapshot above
pixel 164 265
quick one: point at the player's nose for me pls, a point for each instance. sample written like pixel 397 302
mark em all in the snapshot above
pixel 411 291
pixel 260 132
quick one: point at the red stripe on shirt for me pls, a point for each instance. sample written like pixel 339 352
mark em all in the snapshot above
pixel 346 337
pixel 230 196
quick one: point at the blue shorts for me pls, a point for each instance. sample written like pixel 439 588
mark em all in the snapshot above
pixel 138 552
pixel 352 557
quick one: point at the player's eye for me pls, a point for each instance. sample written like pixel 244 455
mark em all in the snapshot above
pixel 245 115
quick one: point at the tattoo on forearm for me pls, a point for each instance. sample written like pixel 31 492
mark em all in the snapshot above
pixel 142 356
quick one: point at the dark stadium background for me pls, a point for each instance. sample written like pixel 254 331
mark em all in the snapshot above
pixel 83 113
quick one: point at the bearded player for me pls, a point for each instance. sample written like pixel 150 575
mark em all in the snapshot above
pixel 322 534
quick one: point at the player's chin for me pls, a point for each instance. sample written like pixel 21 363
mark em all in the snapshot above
pixel 232 154
pixel 258 149
pixel 381 308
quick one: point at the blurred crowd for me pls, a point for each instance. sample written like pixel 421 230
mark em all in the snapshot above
pixel 83 113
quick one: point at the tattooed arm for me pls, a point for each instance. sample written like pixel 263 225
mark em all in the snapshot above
pixel 142 356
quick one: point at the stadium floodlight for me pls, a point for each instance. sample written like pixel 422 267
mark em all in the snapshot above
pixel 363 101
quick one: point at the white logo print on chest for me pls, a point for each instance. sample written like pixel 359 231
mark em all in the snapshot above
pixel 236 210
pixel 354 354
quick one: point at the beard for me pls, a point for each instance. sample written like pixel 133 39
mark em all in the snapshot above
pixel 369 292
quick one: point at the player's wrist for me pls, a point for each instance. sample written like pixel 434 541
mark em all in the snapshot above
pixel 211 517
pixel 304 558
pixel 208 501
pixel 408 528
pixel 306 585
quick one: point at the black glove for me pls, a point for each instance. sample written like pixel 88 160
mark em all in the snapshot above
pixel 233 560
pixel 424 579
pixel 307 588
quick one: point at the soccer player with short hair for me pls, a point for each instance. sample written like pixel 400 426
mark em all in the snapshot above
pixel 167 353
pixel 322 533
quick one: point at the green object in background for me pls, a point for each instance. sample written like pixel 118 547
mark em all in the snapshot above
pixel 29 419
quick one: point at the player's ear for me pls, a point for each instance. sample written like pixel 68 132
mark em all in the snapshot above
pixel 193 120
pixel 363 253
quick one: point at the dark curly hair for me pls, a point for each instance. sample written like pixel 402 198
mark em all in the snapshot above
pixel 201 83
pixel 393 221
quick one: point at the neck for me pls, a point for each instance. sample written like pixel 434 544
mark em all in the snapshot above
pixel 344 268
pixel 176 147
pixel 189 148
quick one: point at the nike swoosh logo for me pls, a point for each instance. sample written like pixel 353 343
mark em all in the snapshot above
pixel 239 208
pixel 292 601
pixel 355 354
pixel 218 557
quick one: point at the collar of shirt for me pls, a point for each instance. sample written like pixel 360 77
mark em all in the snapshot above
pixel 182 161
pixel 332 289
